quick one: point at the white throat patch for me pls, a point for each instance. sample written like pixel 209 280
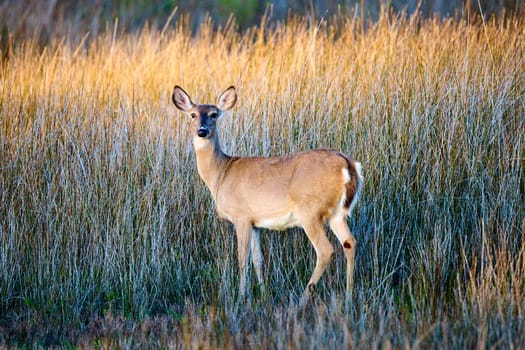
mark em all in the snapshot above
pixel 200 142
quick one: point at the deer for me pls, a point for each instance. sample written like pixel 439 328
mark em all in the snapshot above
pixel 306 190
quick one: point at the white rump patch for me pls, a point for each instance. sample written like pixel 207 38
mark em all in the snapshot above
pixel 358 170
pixel 346 179
pixel 346 175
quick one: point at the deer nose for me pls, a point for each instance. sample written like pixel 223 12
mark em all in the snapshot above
pixel 203 131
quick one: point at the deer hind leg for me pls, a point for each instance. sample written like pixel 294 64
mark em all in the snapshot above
pixel 340 228
pixel 242 230
pixel 257 257
pixel 315 231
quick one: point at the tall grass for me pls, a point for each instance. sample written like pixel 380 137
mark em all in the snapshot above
pixel 108 236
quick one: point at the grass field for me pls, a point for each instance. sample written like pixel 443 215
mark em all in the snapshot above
pixel 109 238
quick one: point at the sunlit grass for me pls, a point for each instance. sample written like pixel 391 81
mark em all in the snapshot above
pixel 108 236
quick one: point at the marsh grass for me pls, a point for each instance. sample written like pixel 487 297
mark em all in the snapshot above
pixel 109 238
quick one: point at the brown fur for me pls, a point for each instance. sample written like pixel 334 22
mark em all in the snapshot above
pixel 304 189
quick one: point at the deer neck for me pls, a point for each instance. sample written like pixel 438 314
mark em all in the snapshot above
pixel 211 160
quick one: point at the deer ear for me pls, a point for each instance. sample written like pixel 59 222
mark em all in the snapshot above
pixel 226 100
pixel 181 99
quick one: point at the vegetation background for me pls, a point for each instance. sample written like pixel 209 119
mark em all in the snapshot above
pixel 47 18
pixel 108 238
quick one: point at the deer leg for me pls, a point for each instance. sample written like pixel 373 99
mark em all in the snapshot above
pixel 314 229
pixel 340 228
pixel 257 257
pixel 242 231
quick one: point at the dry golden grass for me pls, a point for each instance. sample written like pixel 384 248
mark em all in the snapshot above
pixel 108 237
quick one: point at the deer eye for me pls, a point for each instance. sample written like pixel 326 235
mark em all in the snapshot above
pixel 213 115
pixel 194 115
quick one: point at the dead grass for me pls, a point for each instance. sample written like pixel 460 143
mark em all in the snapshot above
pixel 109 238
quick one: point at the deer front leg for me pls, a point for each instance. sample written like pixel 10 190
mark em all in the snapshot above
pixel 242 231
pixel 257 257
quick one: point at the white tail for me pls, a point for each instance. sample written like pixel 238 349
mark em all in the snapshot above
pixel 303 190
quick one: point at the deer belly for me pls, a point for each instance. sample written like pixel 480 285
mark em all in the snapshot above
pixel 278 223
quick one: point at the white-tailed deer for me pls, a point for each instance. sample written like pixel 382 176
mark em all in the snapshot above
pixel 303 190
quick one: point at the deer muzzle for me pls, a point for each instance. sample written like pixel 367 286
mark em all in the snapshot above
pixel 203 131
